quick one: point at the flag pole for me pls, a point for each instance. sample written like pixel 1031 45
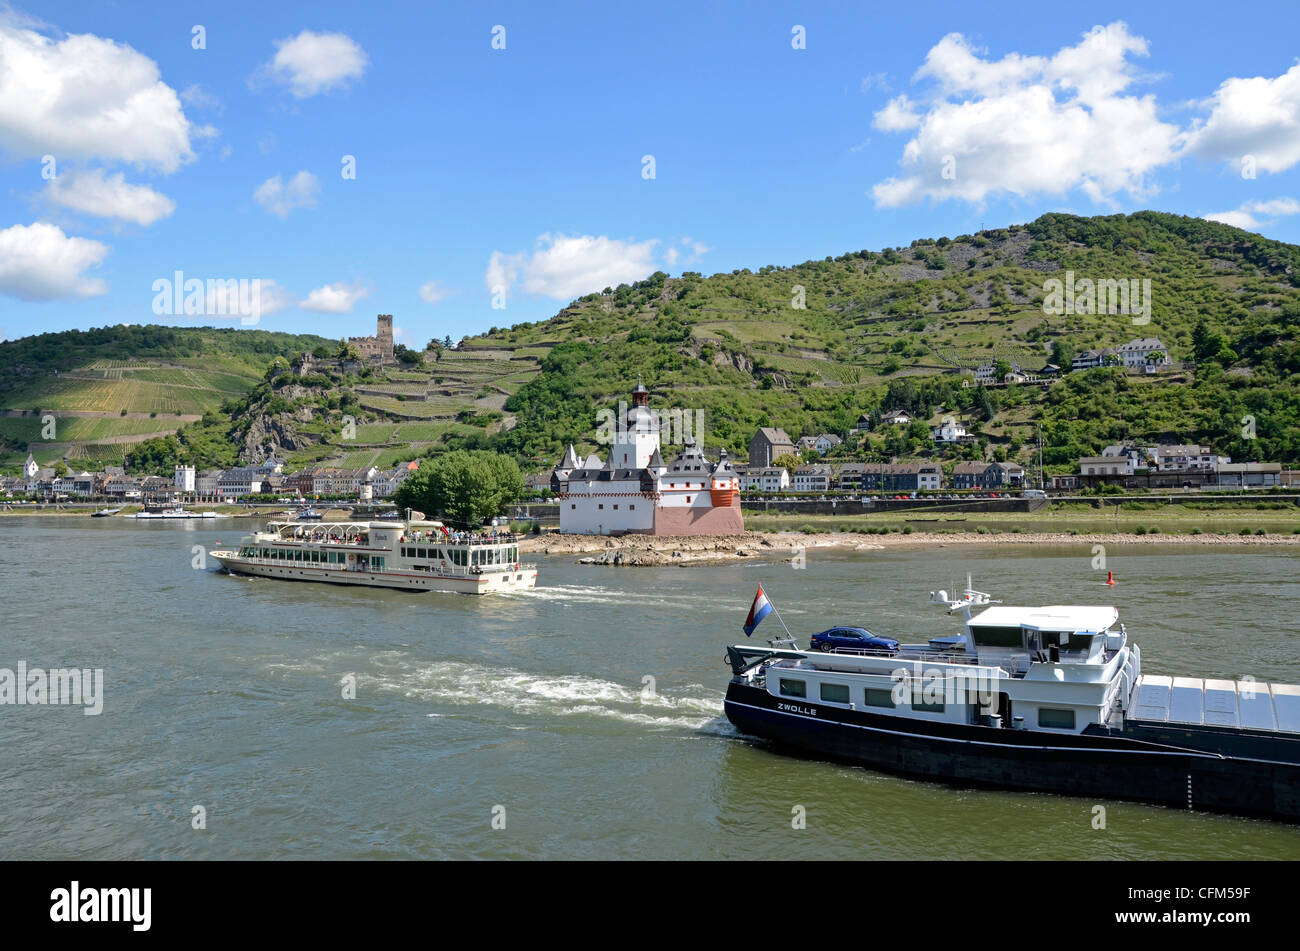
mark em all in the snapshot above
pixel 776 611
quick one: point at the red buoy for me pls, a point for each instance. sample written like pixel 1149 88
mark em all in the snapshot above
pixel 1110 578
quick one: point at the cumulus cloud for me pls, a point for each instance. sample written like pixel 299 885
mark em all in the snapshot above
pixel 899 115
pixel 563 267
pixel 1256 214
pixel 337 298
pixel 86 97
pixel 1028 125
pixel 39 262
pixel 312 63
pixel 280 199
pixel 433 292
pixel 111 196
pixel 1259 117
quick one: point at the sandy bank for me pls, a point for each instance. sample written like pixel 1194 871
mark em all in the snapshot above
pixel 651 550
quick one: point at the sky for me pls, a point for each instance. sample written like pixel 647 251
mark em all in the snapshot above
pixel 467 166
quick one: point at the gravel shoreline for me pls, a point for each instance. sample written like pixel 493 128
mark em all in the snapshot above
pixel 708 549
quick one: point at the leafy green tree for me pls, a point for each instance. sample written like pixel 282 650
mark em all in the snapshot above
pixel 465 487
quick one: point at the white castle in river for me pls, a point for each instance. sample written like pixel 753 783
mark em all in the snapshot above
pixel 634 492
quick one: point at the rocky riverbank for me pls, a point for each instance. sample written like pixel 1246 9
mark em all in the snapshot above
pixel 641 550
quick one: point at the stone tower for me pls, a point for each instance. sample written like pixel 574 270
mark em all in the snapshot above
pixel 384 335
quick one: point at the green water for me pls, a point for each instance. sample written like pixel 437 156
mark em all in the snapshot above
pixel 225 693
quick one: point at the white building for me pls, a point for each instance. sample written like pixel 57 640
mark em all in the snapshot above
pixel 949 431
pixel 1181 458
pixel 814 478
pixel 1139 353
pixel 185 478
pixel 635 492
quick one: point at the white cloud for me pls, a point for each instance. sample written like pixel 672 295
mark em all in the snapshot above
pixel 433 292
pixel 280 199
pixel 1258 117
pixel 1027 125
pixel 312 63
pixel 40 262
pixel 874 81
pixel 199 98
pixel 109 197
pixel 84 97
pixel 899 115
pixel 563 267
pixel 1257 214
pixel 337 298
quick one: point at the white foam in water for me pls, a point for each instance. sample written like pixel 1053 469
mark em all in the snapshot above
pixel 586 594
pixel 533 695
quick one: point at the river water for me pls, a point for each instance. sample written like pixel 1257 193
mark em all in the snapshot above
pixel 585 717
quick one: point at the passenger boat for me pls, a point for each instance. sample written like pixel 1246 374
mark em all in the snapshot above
pixel 411 554
pixel 174 511
pixel 1048 698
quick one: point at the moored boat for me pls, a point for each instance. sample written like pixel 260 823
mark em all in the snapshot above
pixel 1050 698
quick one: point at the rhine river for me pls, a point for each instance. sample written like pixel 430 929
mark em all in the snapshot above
pixel 584 717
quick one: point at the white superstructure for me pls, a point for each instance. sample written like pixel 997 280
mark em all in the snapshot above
pixel 415 555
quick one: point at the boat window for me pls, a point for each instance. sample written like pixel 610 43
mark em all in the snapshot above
pixel 923 707
pixel 991 636
pixel 835 693
pixel 1055 719
pixel 793 688
pixel 876 697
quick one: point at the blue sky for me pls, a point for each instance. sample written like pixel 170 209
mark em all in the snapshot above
pixel 521 169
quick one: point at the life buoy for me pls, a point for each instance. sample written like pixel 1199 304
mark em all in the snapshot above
pixel 444 564
pixel 351 557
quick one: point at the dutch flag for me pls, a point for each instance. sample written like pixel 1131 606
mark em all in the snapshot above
pixel 760 609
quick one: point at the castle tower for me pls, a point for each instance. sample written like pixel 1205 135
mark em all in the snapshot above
pixel 384 337
pixel 637 440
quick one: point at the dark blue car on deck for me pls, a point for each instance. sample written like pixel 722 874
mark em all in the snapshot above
pixel 854 638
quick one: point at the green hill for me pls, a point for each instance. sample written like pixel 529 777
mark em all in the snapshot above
pixel 112 387
pixel 903 327
pixel 808 348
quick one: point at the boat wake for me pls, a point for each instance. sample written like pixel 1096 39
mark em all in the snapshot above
pixel 450 682
pixel 594 594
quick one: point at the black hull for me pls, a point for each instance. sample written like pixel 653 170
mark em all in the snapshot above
pixel 1102 764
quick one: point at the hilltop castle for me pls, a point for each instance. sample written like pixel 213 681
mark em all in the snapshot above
pixel 379 348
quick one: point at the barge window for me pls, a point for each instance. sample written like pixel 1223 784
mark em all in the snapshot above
pixel 1055 719
pixel 928 707
pixel 793 688
pixel 835 693
pixel 874 697
pixel 998 636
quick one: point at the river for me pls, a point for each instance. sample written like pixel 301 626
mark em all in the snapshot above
pixel 581 720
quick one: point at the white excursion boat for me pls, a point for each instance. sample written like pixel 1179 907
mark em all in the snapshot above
pixel 412 554
pixel 176 511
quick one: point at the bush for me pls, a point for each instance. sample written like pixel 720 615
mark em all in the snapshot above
pixel 1244 531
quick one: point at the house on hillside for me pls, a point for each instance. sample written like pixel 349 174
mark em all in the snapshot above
pixel 769 443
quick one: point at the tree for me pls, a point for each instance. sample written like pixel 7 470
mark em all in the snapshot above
pixel 1062 353
pixel 787 462
pixel 466 487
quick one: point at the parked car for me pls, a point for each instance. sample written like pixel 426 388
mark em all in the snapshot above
pixel 853 638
